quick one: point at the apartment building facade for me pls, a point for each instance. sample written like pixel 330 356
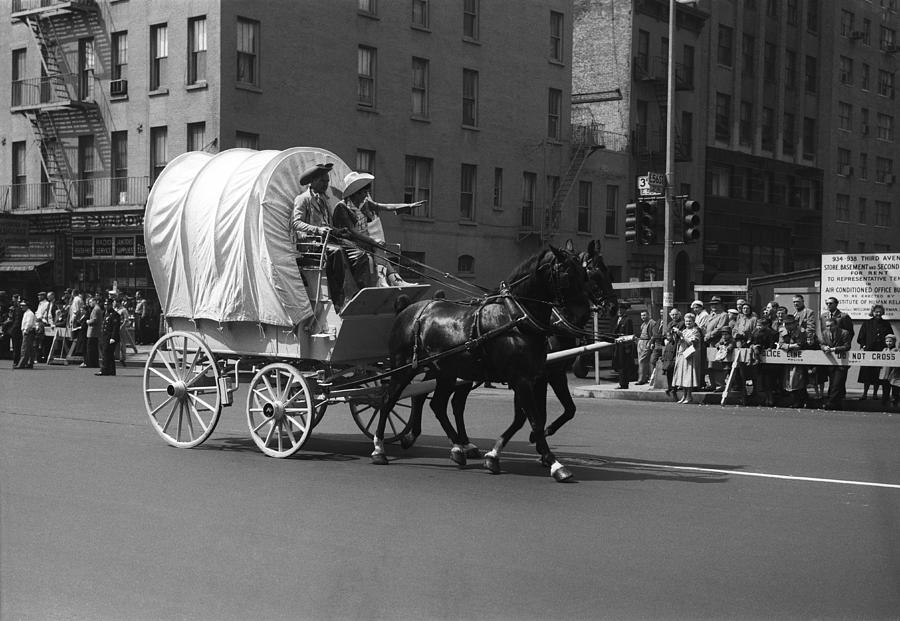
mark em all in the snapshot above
pixel 464 104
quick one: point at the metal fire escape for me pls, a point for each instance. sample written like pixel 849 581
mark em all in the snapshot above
pixel 47 101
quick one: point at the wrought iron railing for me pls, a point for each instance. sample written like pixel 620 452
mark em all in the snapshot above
pixel 44 91
pixel 19 6
pixel 99 192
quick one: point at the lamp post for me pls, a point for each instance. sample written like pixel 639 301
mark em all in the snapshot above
pixel 668 297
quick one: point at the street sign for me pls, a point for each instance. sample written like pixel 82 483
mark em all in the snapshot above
pixel 646 186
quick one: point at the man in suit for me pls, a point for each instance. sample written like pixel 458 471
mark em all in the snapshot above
pixel 844 322
pixel 647 332
pixel 835 340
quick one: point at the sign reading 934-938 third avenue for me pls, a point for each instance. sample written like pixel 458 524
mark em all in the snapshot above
pixel 860 280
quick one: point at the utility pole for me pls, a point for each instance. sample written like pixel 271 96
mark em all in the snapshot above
pixel 668 300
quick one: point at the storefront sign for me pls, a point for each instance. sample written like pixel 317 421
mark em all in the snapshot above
pixel 860 280
pixel 124 246
pixel 140 250
pixel 13 230
pixel 103 246
pixel 104 221
pixel 82 247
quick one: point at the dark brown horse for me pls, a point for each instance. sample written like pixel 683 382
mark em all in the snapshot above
pixel 501 338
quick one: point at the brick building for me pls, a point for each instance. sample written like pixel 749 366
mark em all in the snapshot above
pixel 465 103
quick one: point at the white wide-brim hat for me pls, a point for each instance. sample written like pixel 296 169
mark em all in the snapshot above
pixel 355 181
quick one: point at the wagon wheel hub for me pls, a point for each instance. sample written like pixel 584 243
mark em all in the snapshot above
pixel 177 390
pixel 274 410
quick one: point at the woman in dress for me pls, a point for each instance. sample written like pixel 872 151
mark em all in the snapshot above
pixel 687 373
pixel 670 347
pixel 871 338
pixel 793 339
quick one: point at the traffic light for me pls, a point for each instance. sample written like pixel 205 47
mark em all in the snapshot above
pixel 690 221
pixel 646 223
pixel 631 223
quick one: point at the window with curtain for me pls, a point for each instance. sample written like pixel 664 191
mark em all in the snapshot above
pixel 159 53
pixel 467 184
pixel 196 50
pixel 158 151
pixel 365 68
pixel 119 55
pixel 19 178
pixel 470 98
pixel 196 136
pixel 420 13
pixel 420 87
pixel 554 112
pixel 585 191
pixel 557 23
pixel 246 140
pixel 417 183
pixel 612 209
pixel 529 185
pixel 119 165
pixel 470 19
pixel 248 51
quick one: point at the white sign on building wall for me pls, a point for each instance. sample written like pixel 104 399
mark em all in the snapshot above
pixel 860 280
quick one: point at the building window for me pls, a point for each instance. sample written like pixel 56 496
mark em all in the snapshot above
pixel 19 177
pixel 687 66
pixel 467 184
pixel 812 15
pixel 847 19
pixel 246 140
pixel 723 117
pixel 86 165
pixel 86 63
pixel 498 188
pixel 811 75
pixel 842 208
pixel 845 112
pixel 553 194
pixel 420 13
pixel 365 68
pixel 862 211
pixel 556 36
pixel 19 69
pixel 790 69
pixel 119 168
pixel 745 127
pixel 885 127
pixel 417 183
pixel 248 51
pixel 196 136
pixel 554 110
pixel 465 264
pixel 119 55
pixel 158 152
pixel 612 210
pixel 420 87
pixel 884 170
pixel 470 19
pixel 843 162
pixel 748 53
pixel 719 181
pixel 886 83
pixel 642 59
pixel 788 135
pixel 529 185
pixel 365 161
pixel 725 51
pixel 809 138
pixel 768 129
pixel 585 188
pixel 769 52
pixel 159 53
pixel 863 165
pixel 864 82
pixel 196 50
pixel 470 98
pixel 886 41
pixel 793 13
pixel 882 213
pixel 368 7
pixel 845 70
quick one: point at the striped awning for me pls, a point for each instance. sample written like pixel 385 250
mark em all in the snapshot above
pixel 22 265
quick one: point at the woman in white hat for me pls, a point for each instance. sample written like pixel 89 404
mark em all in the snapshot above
pixel 359 214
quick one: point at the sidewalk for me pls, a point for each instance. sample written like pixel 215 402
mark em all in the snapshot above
pixel 608 388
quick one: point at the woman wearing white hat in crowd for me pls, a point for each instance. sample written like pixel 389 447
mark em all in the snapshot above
pixel 360 215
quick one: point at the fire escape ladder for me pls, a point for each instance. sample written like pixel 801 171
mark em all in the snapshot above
pixel 53 158
pixel 48 45
pixel 554 209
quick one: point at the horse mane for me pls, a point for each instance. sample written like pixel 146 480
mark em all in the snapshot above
pixel 526 267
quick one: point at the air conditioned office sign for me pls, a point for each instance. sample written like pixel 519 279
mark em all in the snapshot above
pixel 860 280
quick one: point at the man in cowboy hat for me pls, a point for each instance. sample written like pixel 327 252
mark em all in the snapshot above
pixel 360 215
pixel 312 222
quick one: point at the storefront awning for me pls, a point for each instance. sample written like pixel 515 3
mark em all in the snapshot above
pixel 22 266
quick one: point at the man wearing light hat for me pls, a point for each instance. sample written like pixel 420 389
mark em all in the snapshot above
pixel 359 214
pixel 712 331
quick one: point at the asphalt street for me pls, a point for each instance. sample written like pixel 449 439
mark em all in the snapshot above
pixel 698 512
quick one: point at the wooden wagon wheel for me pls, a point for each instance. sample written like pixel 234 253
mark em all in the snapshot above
pixel 181 389
pixel 365 412
pixel 280 410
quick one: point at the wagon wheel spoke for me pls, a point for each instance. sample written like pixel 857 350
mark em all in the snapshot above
pixel 172 374
pixel 199 400
pixel 261 424
pixel 279 407
pixel 260 395
pixel 165 426
pixel 168 380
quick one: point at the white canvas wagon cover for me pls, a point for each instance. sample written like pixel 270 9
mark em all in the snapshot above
pixel 218 237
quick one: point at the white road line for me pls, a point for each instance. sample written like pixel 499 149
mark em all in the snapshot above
pixel 754 474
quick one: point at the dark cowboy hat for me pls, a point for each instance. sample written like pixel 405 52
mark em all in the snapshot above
pixel 311 173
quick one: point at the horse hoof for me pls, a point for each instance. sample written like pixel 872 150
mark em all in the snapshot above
pixel 407 440
pixel 458 457
pixel 380 459
pixel 473 453
pixel 562 474
pixel 492 464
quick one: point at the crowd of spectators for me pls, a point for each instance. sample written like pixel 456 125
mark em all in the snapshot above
pixel 699 350
pixel 91 326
